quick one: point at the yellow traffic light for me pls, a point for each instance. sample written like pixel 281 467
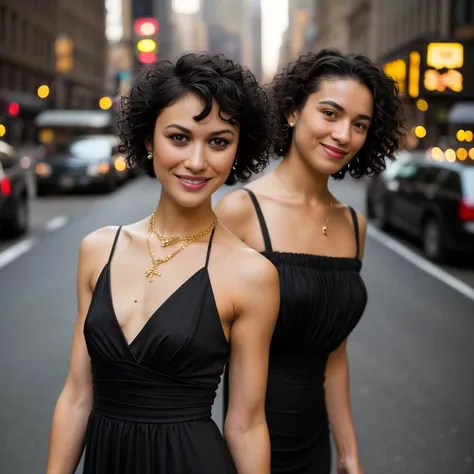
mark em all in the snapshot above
pixel 105 103
pixel 43 91
pixel 146 45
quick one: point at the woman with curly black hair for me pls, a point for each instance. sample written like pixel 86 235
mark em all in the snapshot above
pixel 165 303
pixel 338 114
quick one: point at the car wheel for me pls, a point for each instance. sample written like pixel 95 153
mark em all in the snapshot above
pixel 19 223
pixel 433 245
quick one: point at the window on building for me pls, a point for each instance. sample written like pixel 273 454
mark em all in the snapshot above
pixel 462 12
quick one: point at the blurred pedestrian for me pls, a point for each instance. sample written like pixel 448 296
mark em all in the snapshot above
pixel 338 115
pixel 165 303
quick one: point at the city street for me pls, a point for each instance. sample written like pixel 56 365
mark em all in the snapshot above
pixel 411 355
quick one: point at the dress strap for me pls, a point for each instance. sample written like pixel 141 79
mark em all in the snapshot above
pixel 209 247
pixel 115 243
pixel 356 229
pixel 261 220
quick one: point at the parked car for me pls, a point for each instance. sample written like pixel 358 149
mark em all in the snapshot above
pixel 428 199
pixel 87 162
pixel 16 192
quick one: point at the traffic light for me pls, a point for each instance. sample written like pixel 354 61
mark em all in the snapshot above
pixel 146 39
pixel 13 109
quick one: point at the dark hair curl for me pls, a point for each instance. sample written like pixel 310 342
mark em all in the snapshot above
pixel 290 90
pixel 211 77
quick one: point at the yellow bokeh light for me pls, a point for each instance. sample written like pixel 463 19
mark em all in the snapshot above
pixel 468 136
pixel 3 130
pixel 462 153
pixel 437 153
pixel 461 135
pixel 120 164
pixel 105 103
pixel 450 155
pixel 146 45
pixel 471 153
pixel 43 91
pixel 422 105
pixel 420 131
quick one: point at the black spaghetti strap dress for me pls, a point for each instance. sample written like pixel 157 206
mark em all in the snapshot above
pixel 152 398
pixel 322 300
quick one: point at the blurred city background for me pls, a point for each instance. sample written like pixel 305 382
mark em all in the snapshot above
pixel 65 64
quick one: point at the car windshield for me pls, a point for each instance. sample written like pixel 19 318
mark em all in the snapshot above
pixel 82 148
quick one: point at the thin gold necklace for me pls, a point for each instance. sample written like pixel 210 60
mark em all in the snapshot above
pixel 152 272
pixel 324 227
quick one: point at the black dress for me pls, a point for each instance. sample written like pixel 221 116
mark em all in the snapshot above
pixel 153 397
pixel 322 300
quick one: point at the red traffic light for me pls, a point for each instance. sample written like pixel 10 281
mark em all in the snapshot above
pixel 13 109
pixel 146 26
pixel 147 58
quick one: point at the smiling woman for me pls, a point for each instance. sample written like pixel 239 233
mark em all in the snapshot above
pixel 167 302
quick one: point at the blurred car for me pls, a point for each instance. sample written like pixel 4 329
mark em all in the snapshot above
pixel 428 199
pixel 87 162
pixel 16 192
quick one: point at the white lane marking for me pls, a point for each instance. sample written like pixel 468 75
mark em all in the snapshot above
pixel 421 262
pixel 55 223
pixel 15 251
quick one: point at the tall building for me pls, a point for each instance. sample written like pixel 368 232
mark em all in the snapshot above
pixel 234 29
pixel 28 45
pixel 301 30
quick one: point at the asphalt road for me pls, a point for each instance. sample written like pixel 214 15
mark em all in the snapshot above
pixel 411 356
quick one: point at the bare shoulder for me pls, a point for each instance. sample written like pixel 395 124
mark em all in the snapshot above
pixel 235 210
pixel 94 252
pixel 249 266
pixel 98 242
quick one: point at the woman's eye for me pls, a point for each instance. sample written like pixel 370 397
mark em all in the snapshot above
pixel 219 142
pixel 177 138
pixel 361 126
pixel 329 113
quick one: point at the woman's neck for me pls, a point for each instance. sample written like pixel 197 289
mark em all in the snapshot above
pixel 174 220
pixel 302 181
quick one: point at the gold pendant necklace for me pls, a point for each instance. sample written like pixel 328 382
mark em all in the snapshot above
pixel 324 227
pixel 152 272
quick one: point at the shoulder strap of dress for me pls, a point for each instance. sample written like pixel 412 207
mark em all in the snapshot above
pixel 115 243
pixel 356 229
pixel 208 255
pixel 263 225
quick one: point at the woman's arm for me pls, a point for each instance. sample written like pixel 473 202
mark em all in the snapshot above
pixel 338 406
pixel 337 387
pixel 74 403
pixel 246 429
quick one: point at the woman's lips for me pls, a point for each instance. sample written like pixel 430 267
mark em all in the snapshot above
pixel 333 152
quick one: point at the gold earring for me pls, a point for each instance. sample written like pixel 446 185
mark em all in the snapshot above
pixel 150 155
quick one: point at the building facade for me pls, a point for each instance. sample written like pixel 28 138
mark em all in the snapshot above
pixel 28 60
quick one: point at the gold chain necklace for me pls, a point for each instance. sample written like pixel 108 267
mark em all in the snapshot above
pixel 167 241
pixel 152 272
pixel 324 228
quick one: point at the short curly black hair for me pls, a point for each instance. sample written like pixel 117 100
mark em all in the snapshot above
pixel 290 90
pixel 212 77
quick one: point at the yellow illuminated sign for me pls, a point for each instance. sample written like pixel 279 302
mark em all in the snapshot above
pixel 434 81
pixel 397 70
pixel 414 74
pixel 445 55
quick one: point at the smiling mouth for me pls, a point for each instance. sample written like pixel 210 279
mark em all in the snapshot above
pixel 334 152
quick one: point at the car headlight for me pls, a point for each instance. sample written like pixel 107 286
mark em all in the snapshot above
pixel 43 169
pixel 96 169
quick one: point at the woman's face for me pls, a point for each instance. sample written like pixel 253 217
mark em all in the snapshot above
pixel 332 126
pixel 192 159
